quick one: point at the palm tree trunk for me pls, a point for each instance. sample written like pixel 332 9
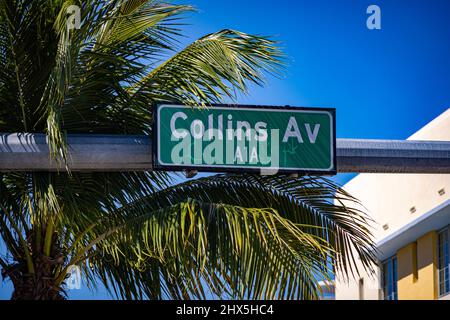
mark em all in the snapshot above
pixel 40 289
pixel 41 284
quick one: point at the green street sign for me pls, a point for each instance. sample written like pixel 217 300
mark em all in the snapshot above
pixel 240 138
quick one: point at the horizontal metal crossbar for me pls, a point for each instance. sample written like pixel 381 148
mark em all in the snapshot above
pixel 89 152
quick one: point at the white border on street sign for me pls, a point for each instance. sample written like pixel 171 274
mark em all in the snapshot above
pixel 332 132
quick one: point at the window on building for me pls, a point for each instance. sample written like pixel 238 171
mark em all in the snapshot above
pixel 444 262
pixel 390 279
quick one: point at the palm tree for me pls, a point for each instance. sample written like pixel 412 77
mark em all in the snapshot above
pixel 235 236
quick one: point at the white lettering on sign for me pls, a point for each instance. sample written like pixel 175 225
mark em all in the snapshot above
pixel 260 128
pixel 175 133
pixel 292 131
pixel 312 136
pixel 243 128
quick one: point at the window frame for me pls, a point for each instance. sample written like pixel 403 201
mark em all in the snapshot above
pixel 389 273
pixel 443 259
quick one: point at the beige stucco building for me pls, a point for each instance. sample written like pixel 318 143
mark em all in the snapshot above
pixel 412 218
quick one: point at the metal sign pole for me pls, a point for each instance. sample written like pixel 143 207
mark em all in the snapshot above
pixel 30 152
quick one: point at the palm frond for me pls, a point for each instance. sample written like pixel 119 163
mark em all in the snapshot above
pixel 216 65
pixel 258 237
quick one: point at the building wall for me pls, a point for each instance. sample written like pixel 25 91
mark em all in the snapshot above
pixel 351 290
pixel 417 269
pixel 394 200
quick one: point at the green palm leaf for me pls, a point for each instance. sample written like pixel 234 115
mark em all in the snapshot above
pixel 242 236
pixel 214 65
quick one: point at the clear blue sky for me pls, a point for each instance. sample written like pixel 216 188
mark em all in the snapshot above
pixel 384 83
